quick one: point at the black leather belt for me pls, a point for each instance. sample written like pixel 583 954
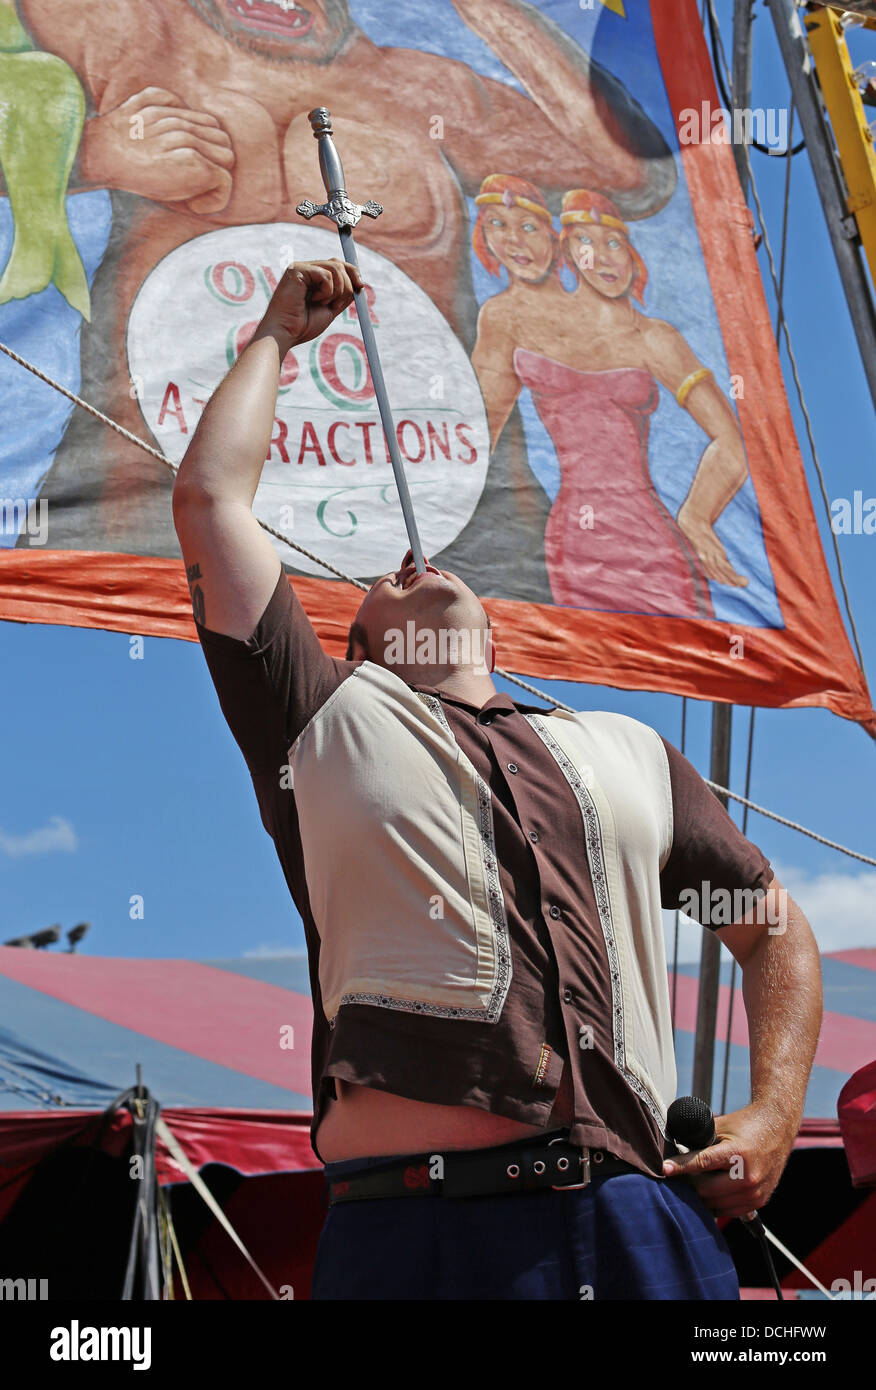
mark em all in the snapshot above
pixel 529 1166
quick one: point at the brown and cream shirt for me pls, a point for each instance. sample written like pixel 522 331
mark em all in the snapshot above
pixel 481 889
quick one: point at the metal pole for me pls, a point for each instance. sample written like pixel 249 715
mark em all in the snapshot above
pixel 722 714
pixel 710 955
pixel 341 210
pixel 841 225
pixel 743 18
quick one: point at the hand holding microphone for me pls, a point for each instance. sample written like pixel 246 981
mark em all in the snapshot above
pixel 690 1122
pixel 734 1173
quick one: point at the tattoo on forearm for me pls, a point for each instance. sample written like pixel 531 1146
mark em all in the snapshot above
pixel 193 574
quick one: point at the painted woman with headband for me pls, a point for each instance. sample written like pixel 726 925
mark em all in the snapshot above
pixel 514 231
pixel 593 370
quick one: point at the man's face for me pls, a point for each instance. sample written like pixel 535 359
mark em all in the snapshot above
pixel 436 602
pixel 280 29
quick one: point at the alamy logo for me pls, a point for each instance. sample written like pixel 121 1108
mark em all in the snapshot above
pixel 715 125
pixel 25 514
pixel 23 1288
pixel 75 1343
pixel 718 907
pixel 853 517
pixel 450 646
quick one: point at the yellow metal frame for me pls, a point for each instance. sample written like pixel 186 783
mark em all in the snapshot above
pixel 848 118
pixel 863 21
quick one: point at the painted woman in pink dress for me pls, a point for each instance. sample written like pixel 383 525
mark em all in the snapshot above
pixel 592 362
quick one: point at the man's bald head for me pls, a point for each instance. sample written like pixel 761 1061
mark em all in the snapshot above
pixel 285 33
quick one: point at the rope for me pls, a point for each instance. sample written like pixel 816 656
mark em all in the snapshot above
pixel 92 410
pixel 162 458
pixel 534 690
pixel 794 1261
pixel 164 1248
pixel 174 1245
pixel 780 314
pixel 30 1088
pixel 728 103
pixel 792 824
pixel 506 675
pixel 194 1177
pixel 792 359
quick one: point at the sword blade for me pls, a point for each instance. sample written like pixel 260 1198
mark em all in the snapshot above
pixel 345 214
pixel 348 246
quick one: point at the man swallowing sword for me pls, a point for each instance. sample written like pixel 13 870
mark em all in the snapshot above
pixel 480 884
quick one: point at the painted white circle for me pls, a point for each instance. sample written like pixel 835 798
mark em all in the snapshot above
pixel 328 483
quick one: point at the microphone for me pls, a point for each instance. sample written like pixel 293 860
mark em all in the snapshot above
pixel 690 1123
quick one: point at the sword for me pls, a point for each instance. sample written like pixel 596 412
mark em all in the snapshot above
pixel 341 210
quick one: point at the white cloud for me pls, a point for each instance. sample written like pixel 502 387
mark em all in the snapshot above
pixel 58 834
pixel 841 908
pixel 274 948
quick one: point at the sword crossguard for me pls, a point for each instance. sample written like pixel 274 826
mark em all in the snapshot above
pixel 340 207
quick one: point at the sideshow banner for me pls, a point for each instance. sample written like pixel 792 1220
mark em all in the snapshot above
pixel 564 290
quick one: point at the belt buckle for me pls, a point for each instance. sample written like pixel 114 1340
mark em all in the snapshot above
pixel 585 1163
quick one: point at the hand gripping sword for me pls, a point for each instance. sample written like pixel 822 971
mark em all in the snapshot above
pixel 341 210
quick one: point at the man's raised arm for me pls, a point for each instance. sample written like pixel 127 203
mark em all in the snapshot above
pixel 231 565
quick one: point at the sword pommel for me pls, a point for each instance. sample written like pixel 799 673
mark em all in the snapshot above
pixel 321 120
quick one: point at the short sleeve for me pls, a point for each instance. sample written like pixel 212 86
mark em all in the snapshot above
pixel 709 854
pixel 271 684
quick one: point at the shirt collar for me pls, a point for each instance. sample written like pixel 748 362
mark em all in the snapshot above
pixel 500 702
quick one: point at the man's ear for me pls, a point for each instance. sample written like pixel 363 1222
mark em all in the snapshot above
pixel 357 643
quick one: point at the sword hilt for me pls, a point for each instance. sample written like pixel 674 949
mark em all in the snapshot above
pixel 340 208
pixel 329 160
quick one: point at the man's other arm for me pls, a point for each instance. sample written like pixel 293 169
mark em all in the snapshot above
pixel 231 565
pixel 781 987
pixel 712 862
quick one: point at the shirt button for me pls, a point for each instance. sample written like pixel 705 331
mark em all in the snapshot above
pixel 512 767
pixel 567 996
pixel 533 835
pixel 555 912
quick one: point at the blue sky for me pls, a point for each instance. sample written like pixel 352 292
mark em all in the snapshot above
pixel 121 779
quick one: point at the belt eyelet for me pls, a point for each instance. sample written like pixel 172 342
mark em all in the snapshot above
pixel 597 1156
pixel 562 1164
pixel 538 1166
pixel 513 1170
